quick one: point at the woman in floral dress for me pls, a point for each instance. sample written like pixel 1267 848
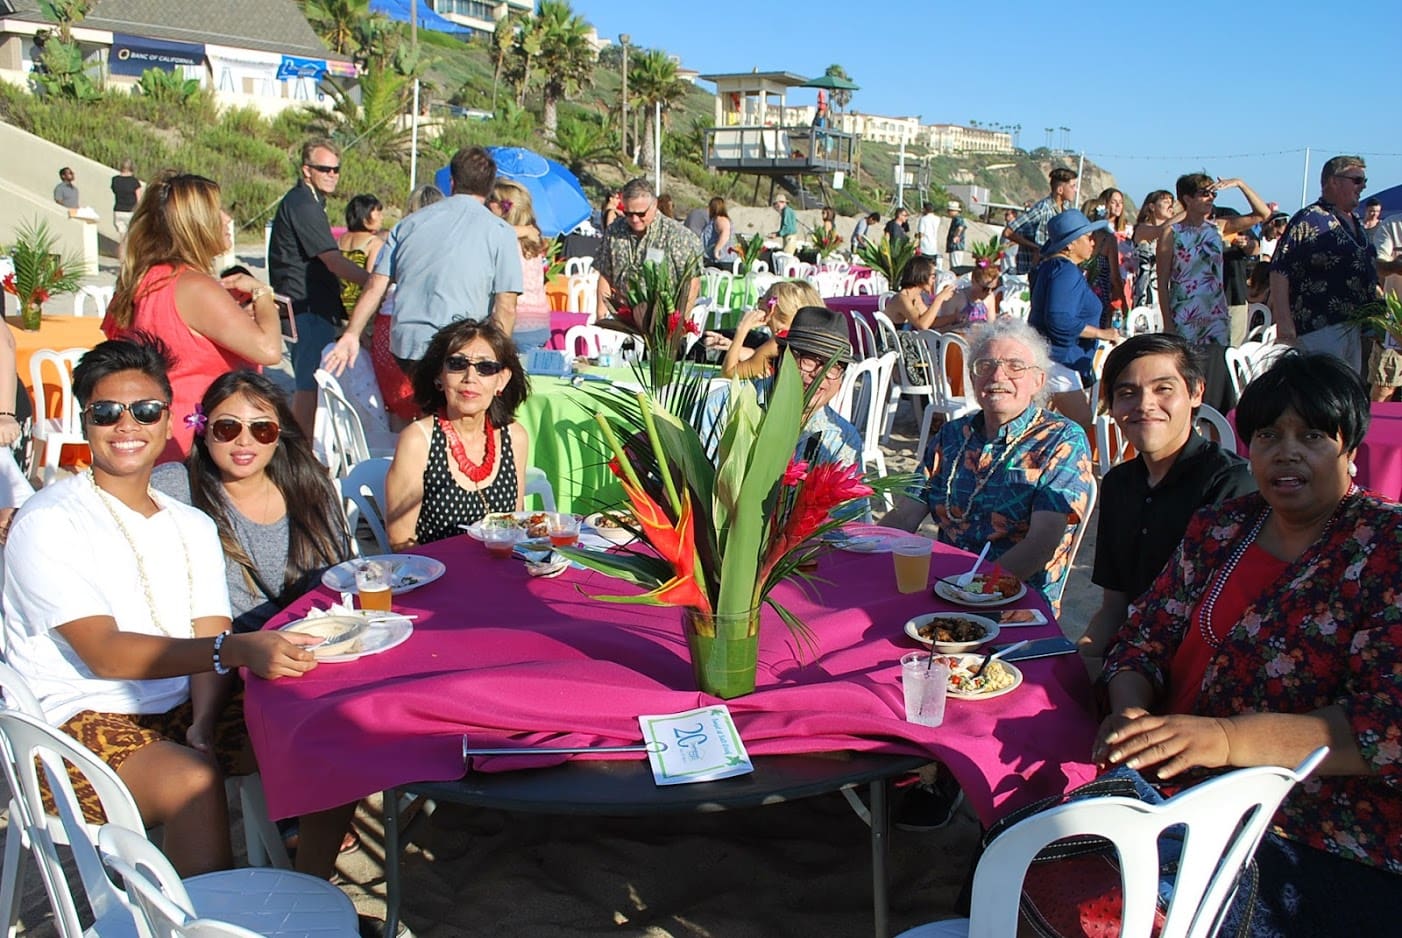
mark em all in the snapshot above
pixel 1274 630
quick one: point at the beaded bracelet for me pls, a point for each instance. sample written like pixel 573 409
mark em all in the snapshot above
pixel 219 666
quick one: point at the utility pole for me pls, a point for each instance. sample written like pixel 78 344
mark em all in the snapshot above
pixel 414 117
pixel 623 40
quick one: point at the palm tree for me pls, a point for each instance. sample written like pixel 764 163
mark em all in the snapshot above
pixel 841 97
pixel 582 141
pixel 566 60
pixel 335 21
pixel 652 80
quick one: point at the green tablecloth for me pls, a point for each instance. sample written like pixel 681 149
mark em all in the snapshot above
pixel 567 444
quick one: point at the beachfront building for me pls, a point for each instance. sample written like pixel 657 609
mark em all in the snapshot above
pixel 479 14
pixel 956 138
pixel 261 54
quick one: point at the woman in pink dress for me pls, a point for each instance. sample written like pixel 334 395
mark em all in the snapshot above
pixel 512 202
pixel 167 288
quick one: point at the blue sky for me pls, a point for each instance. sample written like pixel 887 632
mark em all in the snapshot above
pixel 1149 91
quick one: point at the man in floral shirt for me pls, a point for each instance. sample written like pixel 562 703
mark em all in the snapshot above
pixel 1013 475
pixel 1324 267
pixel 639 235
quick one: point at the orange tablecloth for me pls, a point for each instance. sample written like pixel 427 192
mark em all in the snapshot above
pixel 55 332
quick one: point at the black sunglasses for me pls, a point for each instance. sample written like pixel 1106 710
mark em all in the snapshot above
pixel 227 429
pixel 1360 181
pixel 324 169
pixel 456 364
pixel 107 413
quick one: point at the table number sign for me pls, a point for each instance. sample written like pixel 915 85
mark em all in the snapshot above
pixel 700 745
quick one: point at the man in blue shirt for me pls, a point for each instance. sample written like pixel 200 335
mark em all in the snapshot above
pixel 1029 230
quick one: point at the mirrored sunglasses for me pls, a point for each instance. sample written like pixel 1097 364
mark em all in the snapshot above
pixel 107 413
pixel 457 364
pixel 228 429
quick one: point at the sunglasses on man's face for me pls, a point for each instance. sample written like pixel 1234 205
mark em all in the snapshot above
pixel 324 169
pixel 107 413
pixel 1359 181
pixel 457 364
pixel 228 429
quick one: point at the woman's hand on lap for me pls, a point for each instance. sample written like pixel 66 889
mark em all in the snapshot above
pixel 1168 744
pixel 200 736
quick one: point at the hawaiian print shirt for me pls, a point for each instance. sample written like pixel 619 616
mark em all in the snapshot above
pixel 623 255
pixel 980 489
pixel 1327 633
pixel 1032 225
pixel 1331 269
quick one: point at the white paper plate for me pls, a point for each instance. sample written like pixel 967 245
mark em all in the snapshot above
pixel 380 636
pixel 951 593
pixel 972 661
pixel 410 572
pixel 865 538
pixel 990 631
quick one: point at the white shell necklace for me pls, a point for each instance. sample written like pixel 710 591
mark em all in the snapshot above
pixel 107 502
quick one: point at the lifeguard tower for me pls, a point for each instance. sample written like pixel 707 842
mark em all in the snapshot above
pixel 750 135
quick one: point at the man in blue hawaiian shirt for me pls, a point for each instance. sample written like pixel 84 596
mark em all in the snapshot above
pixel 1324 267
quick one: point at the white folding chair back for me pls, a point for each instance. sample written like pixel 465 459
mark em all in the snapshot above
pixel 867 286
pixel 1143 319
pixel 338 438
pixel 785 265
pixel 18 697
pixel 94 297
pixel 1014 307
pixel 940 348
pixel 538 485
pixel 236 903
pixel 862 401
pixel 1111 445
pixel 584 293
pixel 865 345
pixel 26 739
pixel 578 265
pixel 1078 534
pixel 1258 316
pixel 1238 368
pixel 1225 820
pixel 882 300
pixel 1211 424
pixel 55 429
pixel 595 341
pixel 363 496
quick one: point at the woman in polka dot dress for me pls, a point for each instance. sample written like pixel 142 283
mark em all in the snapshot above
pixel 468 458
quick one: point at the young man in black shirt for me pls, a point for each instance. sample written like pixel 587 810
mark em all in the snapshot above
pixel 1153 384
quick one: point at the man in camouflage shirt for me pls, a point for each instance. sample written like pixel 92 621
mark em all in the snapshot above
pixel 640 234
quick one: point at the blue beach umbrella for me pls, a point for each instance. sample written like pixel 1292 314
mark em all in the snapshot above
pixel 559 201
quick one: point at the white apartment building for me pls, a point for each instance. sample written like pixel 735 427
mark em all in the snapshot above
pixel 479 14
pixel 955 138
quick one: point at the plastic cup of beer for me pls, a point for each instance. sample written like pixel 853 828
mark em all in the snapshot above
pixel 925 684
pixel 564 529
pixel 911 556
pixel 500 539
pixel 372 582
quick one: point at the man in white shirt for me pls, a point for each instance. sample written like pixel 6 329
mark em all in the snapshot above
pixel 928 230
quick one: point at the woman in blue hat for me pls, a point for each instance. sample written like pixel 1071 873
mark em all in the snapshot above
pixel 1067 312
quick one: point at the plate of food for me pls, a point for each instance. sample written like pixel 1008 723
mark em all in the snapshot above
pixel 533 523
pixel 349 637
pixel 609 525
pixel 982 589
pixel 952 632
pixel 997 679
pixel 864 538
pixel 407 572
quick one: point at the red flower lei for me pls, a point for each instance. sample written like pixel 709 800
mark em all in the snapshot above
pixel 473 471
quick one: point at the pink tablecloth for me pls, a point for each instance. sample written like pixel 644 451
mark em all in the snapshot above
pixel 1379 456
pixel 852 304
pixel 513 660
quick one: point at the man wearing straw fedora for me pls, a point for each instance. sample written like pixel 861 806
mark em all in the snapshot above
pixel 816 337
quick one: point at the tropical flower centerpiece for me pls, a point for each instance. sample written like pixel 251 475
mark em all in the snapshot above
pixel 825 242
pixel 1383 316
pixel 653 312
pixel 40 273
pixel 887 257
pixel 748 251
pixel 722 532
pixel 987 253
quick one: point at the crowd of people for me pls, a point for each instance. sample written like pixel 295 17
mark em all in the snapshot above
pixel 1247 613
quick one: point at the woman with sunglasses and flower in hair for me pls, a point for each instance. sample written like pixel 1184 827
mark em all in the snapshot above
pixel 252 470
pixel 166 287
pixel 753 355
pixel 117 615
pixel 468 458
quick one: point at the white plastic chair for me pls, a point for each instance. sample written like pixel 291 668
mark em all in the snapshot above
pixel 1211 424
pixel 1111 445
pixel 363 496
pixel 1225 817
pixel 578 265
pixel 785 265
pixel 865 388
pixel 1258 317
pixel 882 300
pixel 65 427
pixel 230 903
pixel 939 349
pixel 867 286
pixel 19 697
pixel 584 293
pixel 1143 319
pixel 597 341
pixel 538 486
pixel 339 438
pixel 99 297
pixel 1077 536
pixel 865 346
pixel 1014 307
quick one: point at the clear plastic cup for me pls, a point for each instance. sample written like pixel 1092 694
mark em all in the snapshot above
pixel 925 684
pixel 500 539
pixel 564 529
pixel 911 556
pixel 373 584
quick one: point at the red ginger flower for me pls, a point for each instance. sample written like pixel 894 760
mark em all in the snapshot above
pixel 9 284
pixel 825 487
pixel 796 473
